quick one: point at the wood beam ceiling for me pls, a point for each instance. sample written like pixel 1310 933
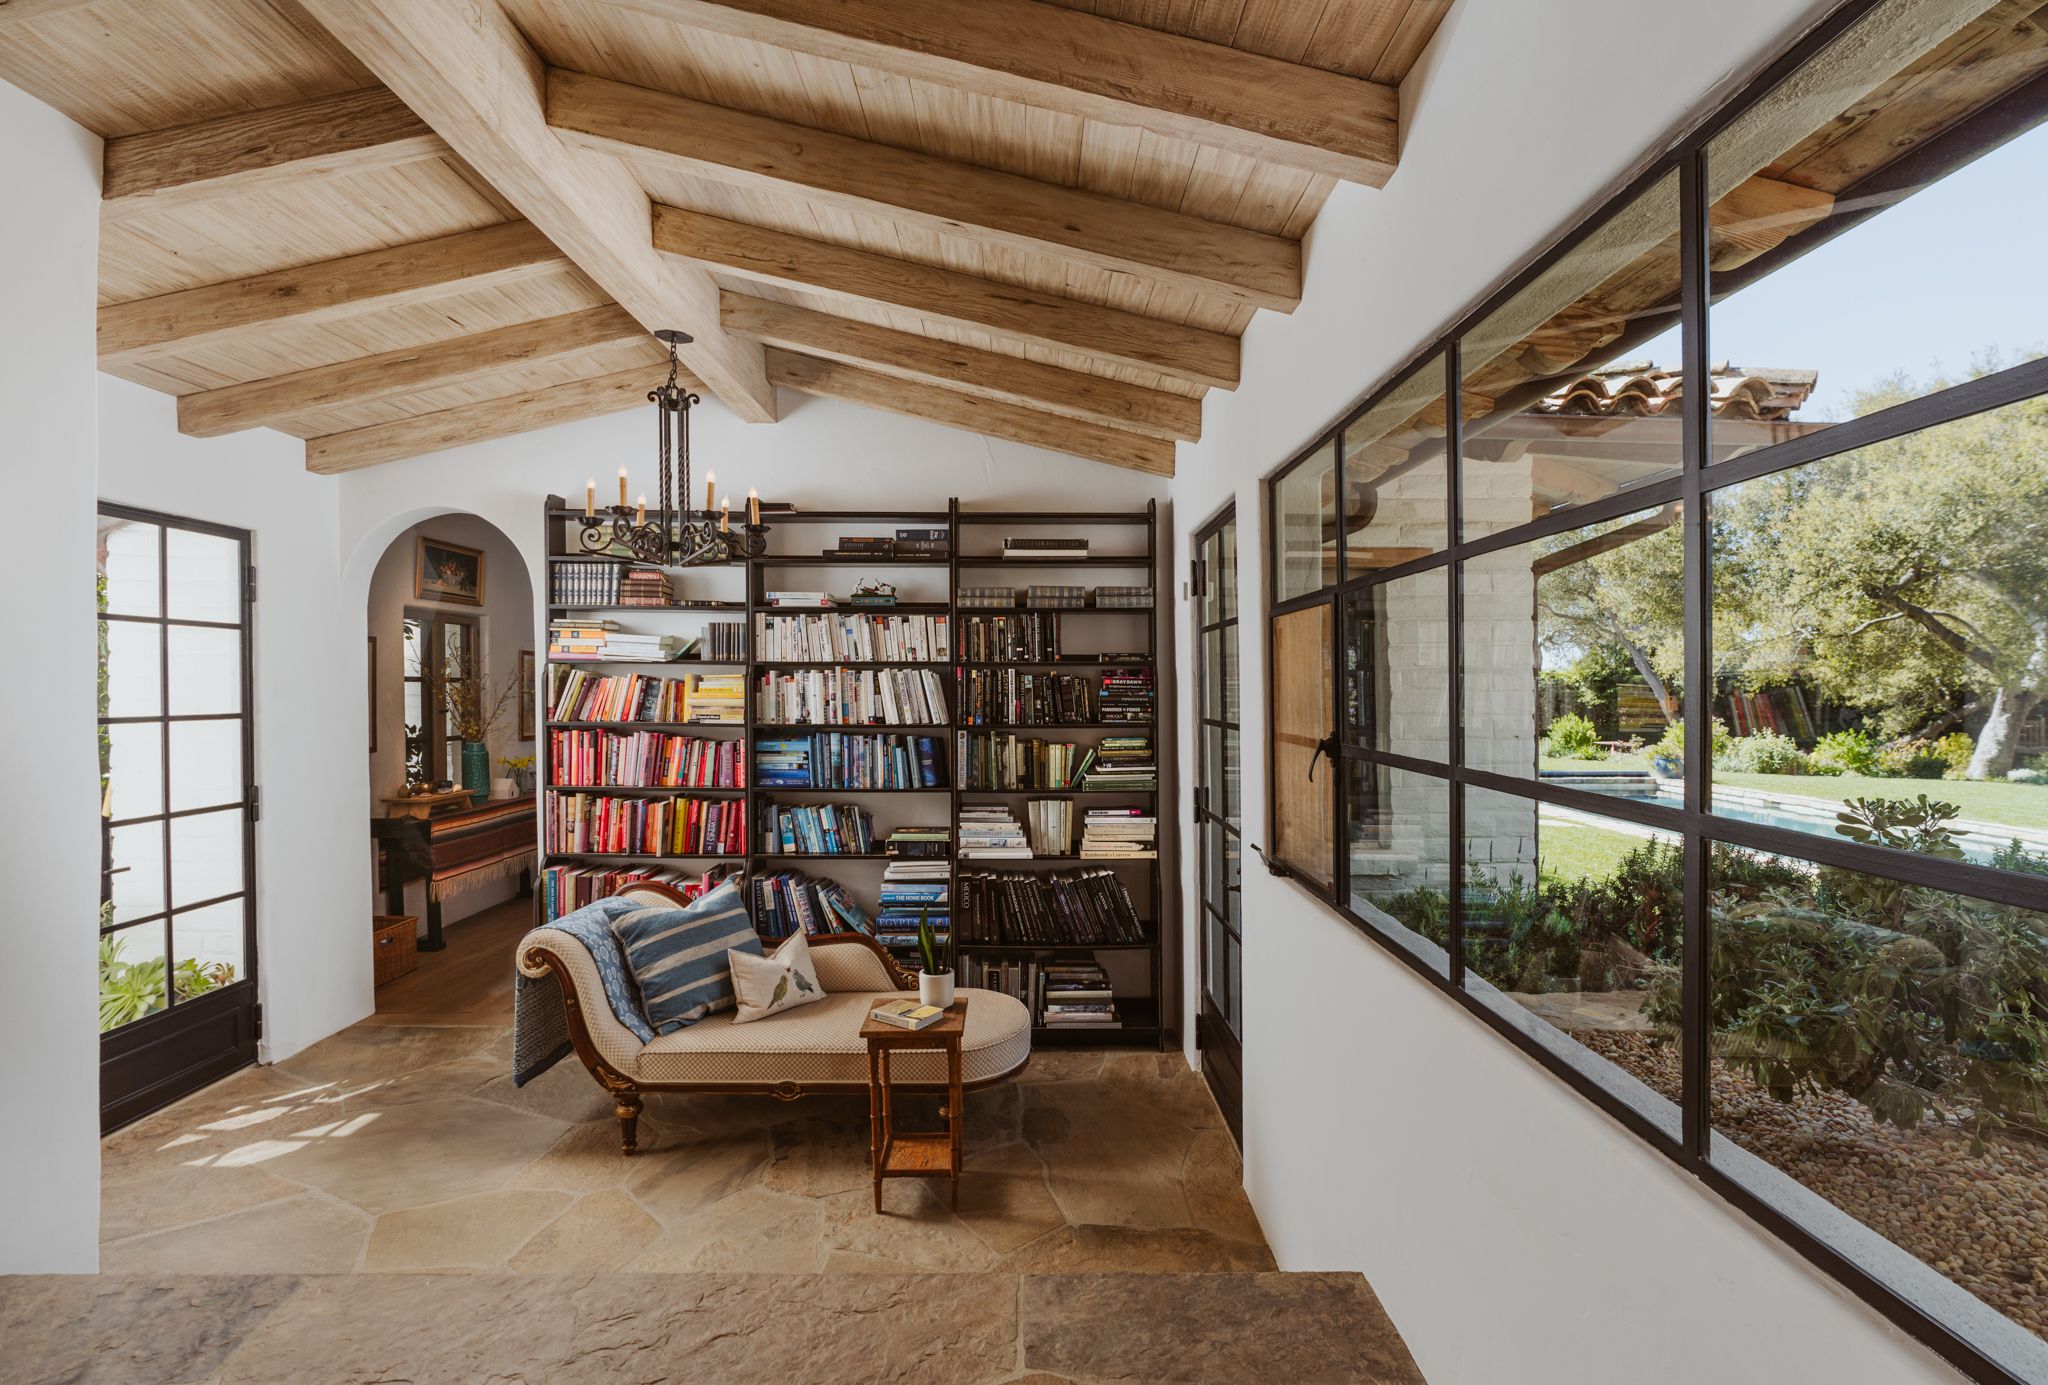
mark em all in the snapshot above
pixel 473 78
pixel 257 150
pixel 965 369
pixel 210 413
pixel 1107 335
pixel 856 175
pixel 834 380
pixel 489 418
pixel 148 328
pixel 1085 65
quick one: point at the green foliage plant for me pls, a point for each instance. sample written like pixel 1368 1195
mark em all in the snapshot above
pixel 1573 737
pixel 1845 752
pixel 1762 752
pixel 935 953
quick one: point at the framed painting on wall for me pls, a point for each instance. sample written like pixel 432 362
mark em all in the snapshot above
pixel 448 572
pixel 526 695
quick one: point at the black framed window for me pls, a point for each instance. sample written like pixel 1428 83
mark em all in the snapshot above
pixel 440 658
pixel 1740 558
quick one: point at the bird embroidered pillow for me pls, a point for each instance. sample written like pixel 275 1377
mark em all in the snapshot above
pixel 782 980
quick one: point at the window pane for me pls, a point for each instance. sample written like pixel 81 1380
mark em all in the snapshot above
pixel 1396 498
pixel 132 975
pixel 1400 855
pixel 138 864
pixel 1574 928
pixel 1304 796
pixel 1397 666
pixel 1881 618
pixel 134 667
pixel 1571 389
pixel 1228 585
pixel 128 567
pixel 1304 526
pixel 205 575
pixel 1574 646
pixel 1212 585
pixel 1212 671
pixel 206 856
pixel 1884 1047
pixel 206 669
pixel 135 770
pixel 206 764
pixel 206 945
pixel 415 638
pixel 1227 663
pixel 1233 798
pixel 1794 281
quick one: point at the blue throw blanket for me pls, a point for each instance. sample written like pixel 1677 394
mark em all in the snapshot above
pixel 540 1024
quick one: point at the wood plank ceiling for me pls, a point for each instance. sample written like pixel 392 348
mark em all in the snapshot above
pixel 391 226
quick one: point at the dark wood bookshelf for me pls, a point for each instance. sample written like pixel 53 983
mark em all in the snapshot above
pixel 1141 1014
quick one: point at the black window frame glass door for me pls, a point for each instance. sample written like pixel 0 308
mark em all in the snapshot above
pixel 1219 818
pixel 202 1020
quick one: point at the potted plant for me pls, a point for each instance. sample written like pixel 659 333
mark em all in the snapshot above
pixel 935 962
pixel 519 769
pixel 474 711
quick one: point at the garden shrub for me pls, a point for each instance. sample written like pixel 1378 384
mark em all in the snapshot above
pixel 1572 737
pixel 1955 750
pixel 1845 752
pixel 2013 856
pixel 1763 752
pixel 1913 759
pixel 1673 744
pixel 2027 776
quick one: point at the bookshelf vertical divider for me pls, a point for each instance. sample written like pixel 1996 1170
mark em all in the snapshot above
pixel 560 523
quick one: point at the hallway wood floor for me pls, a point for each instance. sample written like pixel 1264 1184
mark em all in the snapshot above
pixel 469 981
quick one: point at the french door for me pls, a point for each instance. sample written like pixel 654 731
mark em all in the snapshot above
pixel 177 921
pixel 1219 803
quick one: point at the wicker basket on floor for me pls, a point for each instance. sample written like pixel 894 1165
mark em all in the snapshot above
pixel 396 945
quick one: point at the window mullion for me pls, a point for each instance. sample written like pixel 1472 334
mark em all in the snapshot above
pixel 1695 1073
pixel 1454 653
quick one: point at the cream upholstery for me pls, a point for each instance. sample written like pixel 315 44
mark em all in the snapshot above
pixel 821 1043
pixel 850 967
pixel 616 1044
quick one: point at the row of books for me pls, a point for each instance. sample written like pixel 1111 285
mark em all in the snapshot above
pixel 907 543
pixel 1090 905
pixel 1031 637
pixel 1002 762
pixel 851 697
pixel 644 759
pixel 1018 697
pixel 724 642
pixel 1119 834
pixel 991 830
pixel 602 824
pixel 1065 546
pixel 823 829
pixel 1126 695
pixel 790 901
pixel 711 699
pixel 1052 825
pixel 564 889
pixel 1056 596
pixel 861 639
pixel 586 582
pixel 849 760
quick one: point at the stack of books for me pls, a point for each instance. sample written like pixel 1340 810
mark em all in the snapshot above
pixel 988 598
pixel 1123 598
pixel 604 640
pixel 1061 547
pixel 644 586
pixel 924 543
pixel 1052 825
pixel 1126 695
pixel 1122 764
pixel 864 546
pixel 595 823
pixel 851 697
pixel 789 901
pixel 1043 596
pixel 1076 995
pixel 717 699
pixel 585 582
pixel 575 695
pixel 925 848
pixel 802 600
pixel 1017 762
pixel 1065 907
pixel 1120 834
pixel 824 829
pixel 643 759
pixel 861 639
pixel 991 831
pixel 844 760
pixel 1014 697
pixel 904 902
pixel 1030 639
pixel 579 639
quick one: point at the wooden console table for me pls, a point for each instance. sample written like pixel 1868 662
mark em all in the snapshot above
pixel 446 846
pixel 921 1153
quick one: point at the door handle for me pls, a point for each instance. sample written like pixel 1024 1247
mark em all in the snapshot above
pixel 1327 746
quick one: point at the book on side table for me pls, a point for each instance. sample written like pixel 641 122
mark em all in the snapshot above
pixel 907 1014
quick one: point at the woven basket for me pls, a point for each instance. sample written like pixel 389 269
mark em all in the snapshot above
pixel 396 945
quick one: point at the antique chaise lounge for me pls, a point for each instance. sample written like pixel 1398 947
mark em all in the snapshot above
pixel 813 1049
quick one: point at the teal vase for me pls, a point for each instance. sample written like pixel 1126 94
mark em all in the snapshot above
pixel 476 770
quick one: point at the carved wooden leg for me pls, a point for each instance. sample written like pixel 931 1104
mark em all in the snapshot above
pixel 627 1107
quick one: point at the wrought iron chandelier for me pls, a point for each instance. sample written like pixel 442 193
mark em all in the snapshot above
pixel 674 535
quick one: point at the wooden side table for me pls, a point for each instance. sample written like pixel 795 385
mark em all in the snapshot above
pixel 915 1153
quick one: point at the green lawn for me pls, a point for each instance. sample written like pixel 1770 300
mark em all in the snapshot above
pixel 2014 805
pixel 1568 851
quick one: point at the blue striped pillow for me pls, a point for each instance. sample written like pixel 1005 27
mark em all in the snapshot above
pixel 677 956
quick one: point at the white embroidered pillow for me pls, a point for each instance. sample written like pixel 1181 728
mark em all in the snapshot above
pixel 782 980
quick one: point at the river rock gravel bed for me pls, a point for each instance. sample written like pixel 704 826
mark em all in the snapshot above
pixel 1979 1218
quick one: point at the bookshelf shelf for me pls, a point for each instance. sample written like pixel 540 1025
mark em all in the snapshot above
pixel 1138 966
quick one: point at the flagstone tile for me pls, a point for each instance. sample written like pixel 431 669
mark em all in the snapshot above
pixel 119 1330
pixel 598 1232
pixel 307 1234
pixel 470 1233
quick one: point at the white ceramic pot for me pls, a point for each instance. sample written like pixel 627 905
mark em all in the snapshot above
pixel 935 990
pixel 503 788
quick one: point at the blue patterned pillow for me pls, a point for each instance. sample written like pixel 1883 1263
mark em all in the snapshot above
pixel 592 926
pixel 677 956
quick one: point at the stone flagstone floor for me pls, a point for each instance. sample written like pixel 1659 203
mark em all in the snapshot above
pixel 406 1148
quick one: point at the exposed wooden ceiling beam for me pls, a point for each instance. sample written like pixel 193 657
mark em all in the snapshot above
pixel 984 374
pixel 897 396
pixel 257 150
pixel 467 71
pixel 1108 335
pixel 490 418
pixel 210 413
pixel 983 204
pixel 1085 65
pixel 144 328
